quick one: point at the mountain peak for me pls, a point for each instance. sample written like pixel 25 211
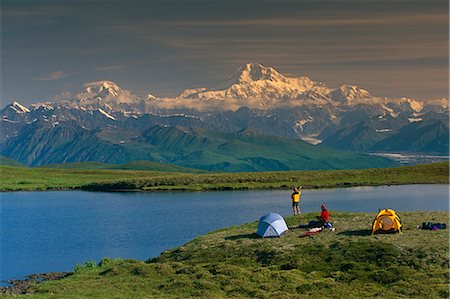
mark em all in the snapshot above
pixel 105 95
pixel 254 71
pixel 350 94
pixel 108 92
pixel 103 88
pixel 415 105
pixel 151 97
pixel 19 108
pixel 254 84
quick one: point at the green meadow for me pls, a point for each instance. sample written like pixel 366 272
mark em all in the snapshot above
pixel 234 262
pixel 15 178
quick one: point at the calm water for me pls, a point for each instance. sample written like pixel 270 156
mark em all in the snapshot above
pixel 53 231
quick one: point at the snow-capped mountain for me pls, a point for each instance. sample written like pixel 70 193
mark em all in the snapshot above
pixel 265 88
pixel 252 85
pixel 349 94
pixel 19 108
pixel 255 98
pixel 254 81
pixel 104 96
pixel 15 111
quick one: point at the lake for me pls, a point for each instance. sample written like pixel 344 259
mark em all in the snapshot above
pixel 55 230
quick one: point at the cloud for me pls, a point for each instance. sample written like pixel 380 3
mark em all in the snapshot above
pixel 34 10
pixel 439 102
pixel 232 104
pixel 55 75
pixel 405 20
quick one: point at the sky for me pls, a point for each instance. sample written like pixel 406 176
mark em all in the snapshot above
pixel 391 48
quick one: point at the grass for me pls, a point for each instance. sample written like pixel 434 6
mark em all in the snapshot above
pixel 28 179
pixel 134 165
pixel 234 262
pixel 23 178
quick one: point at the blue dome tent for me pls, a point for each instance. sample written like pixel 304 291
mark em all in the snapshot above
pixel 271 225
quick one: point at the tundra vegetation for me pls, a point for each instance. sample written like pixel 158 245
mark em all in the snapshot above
pixel 15 178
pixel 234 262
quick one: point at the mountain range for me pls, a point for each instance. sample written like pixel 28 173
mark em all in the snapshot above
pixel 214 127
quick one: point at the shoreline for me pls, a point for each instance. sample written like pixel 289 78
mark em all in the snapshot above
pixel 218 189
pixel 305 187
pixel 15 179
pixel 21 286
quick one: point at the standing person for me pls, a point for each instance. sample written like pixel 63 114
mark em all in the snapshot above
pixel 297 192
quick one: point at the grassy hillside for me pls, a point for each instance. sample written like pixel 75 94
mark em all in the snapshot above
pixel 247 151
pixel 234 262
pixel 428 174
pixel 5 161
pixel 23 178
pixel 426 137
pixel 135 165
pixel 42 144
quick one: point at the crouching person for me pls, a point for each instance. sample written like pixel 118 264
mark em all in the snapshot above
pixel 324 215
pixel 322 220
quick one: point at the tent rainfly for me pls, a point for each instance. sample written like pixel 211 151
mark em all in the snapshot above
pixel 387 221
pixel 271 225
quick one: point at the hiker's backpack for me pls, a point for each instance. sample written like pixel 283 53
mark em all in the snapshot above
pixel 433 226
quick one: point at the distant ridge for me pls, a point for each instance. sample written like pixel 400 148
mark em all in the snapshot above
pixel 109 124
pixel 184 146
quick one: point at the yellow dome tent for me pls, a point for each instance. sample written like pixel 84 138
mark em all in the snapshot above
pixel 387 221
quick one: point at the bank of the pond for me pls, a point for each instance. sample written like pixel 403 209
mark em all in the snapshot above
pixel 47 234
pixel 22 179
pixel 234 262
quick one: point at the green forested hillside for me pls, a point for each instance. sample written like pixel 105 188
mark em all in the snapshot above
pixel 426 137
pixel 247 151
pixel 187 147
pixel 430 136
